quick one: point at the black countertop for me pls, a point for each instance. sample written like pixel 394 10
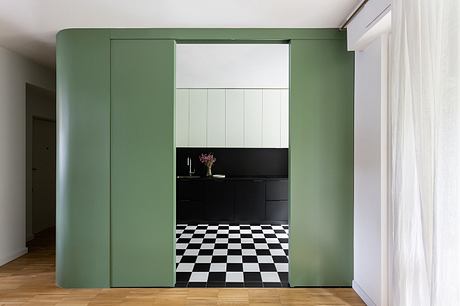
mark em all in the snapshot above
pixel 231 178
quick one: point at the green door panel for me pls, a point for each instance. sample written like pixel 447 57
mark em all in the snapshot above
pixel 321 163
pixel 142 163
pixel 83 159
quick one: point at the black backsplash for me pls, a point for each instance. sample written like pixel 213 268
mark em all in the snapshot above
pixel 236 162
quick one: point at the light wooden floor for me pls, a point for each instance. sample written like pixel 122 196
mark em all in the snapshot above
pixel 29 280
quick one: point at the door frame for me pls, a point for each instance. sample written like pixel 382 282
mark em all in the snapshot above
pixel 240 42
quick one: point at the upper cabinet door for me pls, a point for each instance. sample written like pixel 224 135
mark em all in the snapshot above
pixel 271 133
pixel 182 117
pixel 253 105
pixel 284 118
pixel 198 117
pixel 216 118
pixel 235 117
pixel 242 118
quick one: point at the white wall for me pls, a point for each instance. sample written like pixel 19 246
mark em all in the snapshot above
pixel 370 172
pixel 367 35
pixel 15 72
pixel 232 66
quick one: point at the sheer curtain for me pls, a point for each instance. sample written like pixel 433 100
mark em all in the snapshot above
pixel 425 153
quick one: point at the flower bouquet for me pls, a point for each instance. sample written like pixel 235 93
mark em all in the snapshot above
pixel 208 160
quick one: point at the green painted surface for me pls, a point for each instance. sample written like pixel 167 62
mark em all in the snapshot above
pixel 321 163
pixel 321 160
pixel 142 163
pixel 83 168
pixel 268 34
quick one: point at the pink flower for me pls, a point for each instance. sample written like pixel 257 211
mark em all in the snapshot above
pixel 207 159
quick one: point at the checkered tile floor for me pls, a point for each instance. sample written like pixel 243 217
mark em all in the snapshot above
pixel 225 255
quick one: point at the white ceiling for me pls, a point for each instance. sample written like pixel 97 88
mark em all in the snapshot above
pixel 29 26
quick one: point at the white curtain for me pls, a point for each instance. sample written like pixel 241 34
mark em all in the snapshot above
pixel 425 153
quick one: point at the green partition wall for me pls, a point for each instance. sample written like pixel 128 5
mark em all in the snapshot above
pixel 116 199
pixel 142 163
pixel 83 159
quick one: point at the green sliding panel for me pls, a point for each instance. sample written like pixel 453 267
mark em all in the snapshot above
pixel 321 163
pixel 142 163
pixel 83 152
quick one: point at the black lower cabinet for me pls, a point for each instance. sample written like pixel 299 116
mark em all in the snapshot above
pixel 232 201
pixel 218 201
pixel 276 195
pixel 277 210
pixel 190 211
pixel 190 204
pixel 249 200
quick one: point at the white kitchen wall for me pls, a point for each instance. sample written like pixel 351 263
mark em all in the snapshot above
pixel 233 118
pixel 15 72
pixel 232 65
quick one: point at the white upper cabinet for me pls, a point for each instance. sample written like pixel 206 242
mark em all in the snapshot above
pixel 284 118
pixel 271 120
pixel 182 117
pixel 234 108
pixel 233 118
pixel 216 118
pixel 253 105
pixel 198 117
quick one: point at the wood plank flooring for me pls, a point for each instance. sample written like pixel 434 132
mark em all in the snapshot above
pixel 30 280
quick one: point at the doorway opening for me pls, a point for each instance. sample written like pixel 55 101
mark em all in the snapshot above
pixel 40 163
pixel 232 140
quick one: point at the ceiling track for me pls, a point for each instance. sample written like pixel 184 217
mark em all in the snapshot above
pixel 355 12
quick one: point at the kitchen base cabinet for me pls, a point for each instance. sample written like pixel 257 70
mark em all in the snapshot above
pixel 218 199
pixel 277 210
pixel 276 196
pixel 207 200
pixel 190 204
pixel 249 200
pixel 190 211
pixel 276 190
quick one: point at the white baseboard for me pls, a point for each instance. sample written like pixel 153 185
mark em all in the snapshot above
pixel 13 256
pixel 362 294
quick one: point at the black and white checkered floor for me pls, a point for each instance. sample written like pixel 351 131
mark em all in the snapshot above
pixel 224 255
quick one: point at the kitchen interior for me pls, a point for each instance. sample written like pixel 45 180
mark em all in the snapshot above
pixel 232 140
